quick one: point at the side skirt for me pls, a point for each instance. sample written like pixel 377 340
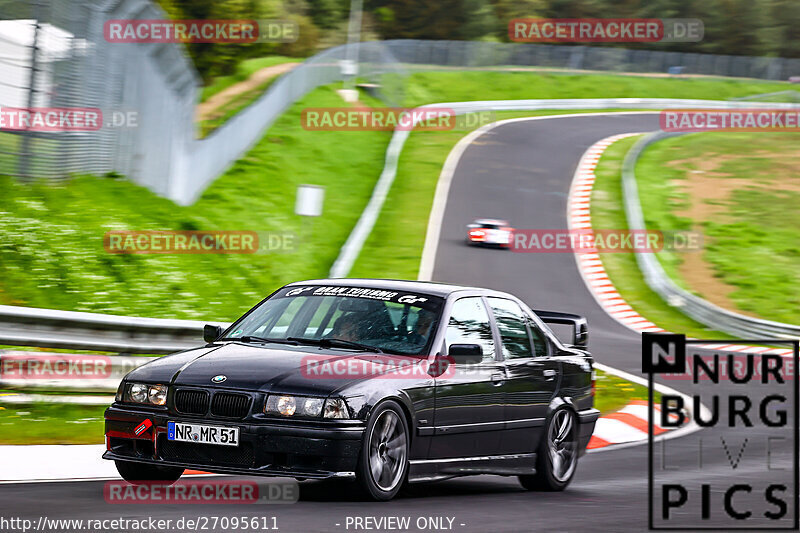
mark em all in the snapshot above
pixel 502 465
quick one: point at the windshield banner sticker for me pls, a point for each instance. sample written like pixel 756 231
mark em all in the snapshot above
pixel 358 292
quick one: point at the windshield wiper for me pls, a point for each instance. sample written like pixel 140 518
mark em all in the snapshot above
pixel 330 342
pixel 250 338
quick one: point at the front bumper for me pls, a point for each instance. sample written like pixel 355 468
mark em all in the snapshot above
pixel 294 448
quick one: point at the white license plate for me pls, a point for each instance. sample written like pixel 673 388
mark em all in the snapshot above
pixel 203 434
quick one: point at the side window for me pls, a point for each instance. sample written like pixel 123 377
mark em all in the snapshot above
pixel 512 324
pixel 539 339
pixel 469 324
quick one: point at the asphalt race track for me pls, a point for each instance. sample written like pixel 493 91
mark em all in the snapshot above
pixel 520 171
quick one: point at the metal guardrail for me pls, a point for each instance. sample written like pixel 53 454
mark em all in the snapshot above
pixel 49 328
pixel 78 374
pixel 657 279
pixel 355 241
pixel 60 372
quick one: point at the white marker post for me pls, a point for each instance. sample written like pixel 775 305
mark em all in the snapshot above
pixel 308 205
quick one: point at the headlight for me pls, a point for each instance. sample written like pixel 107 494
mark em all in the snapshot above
pixel 313 406
pixel 336 408
pixel 286 405
pixel 138 393
pixel 157 395
pixel 145 394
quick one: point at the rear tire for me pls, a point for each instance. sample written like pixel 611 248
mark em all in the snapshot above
pixel 557 456
pixel 383 462
pixel 144 474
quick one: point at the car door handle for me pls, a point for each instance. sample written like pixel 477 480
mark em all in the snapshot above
pixel 498 379
pixel 549 374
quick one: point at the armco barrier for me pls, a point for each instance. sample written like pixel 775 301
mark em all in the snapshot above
pixel 65 372
pixel 355 241
pixel 49 328
pixel 699 309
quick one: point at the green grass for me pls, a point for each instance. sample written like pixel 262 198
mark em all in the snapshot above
pixel 47 423
pixel 753 244
pixel 608 212
pixel 232 107
pixel 51 247
pixel 244 70
pixel 453 86
pixel 394 248
pixel 613 393
pixel 51 252
pixel 236 104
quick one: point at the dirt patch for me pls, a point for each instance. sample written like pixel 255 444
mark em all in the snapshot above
pixel 211 108
pixel 709 190
pixel 699 275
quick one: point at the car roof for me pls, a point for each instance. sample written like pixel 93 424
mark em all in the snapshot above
pixel 426 287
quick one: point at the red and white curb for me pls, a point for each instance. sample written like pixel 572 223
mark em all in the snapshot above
pixel 591 267
pixel 626 425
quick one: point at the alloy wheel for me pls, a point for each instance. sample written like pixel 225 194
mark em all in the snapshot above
pixel 562 445
pixel 387 450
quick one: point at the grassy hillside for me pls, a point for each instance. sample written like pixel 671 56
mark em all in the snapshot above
pixel 51 252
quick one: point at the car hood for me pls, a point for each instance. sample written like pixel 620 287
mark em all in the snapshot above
pixel 271 367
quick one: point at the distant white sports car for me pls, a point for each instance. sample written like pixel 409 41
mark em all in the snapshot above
pixel 490 232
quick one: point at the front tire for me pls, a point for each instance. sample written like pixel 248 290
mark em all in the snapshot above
pixel 557 456
pixel 383 461
pixel 144 474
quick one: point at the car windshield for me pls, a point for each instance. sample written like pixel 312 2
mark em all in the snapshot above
pixel 498 224
pixel 389 321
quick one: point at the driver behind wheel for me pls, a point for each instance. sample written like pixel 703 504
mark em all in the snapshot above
pixel 346 327
pixel 422 329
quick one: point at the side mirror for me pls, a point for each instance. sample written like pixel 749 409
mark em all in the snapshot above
pixel 466 354
pixel 211 332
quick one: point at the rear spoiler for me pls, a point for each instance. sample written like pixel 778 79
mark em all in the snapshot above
pixel 579 338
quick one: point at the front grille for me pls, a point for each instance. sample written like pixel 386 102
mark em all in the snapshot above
pixel 230 405
pixel 191 402
pixel 206 454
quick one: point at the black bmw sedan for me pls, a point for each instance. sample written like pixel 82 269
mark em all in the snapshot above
pixel 386 381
